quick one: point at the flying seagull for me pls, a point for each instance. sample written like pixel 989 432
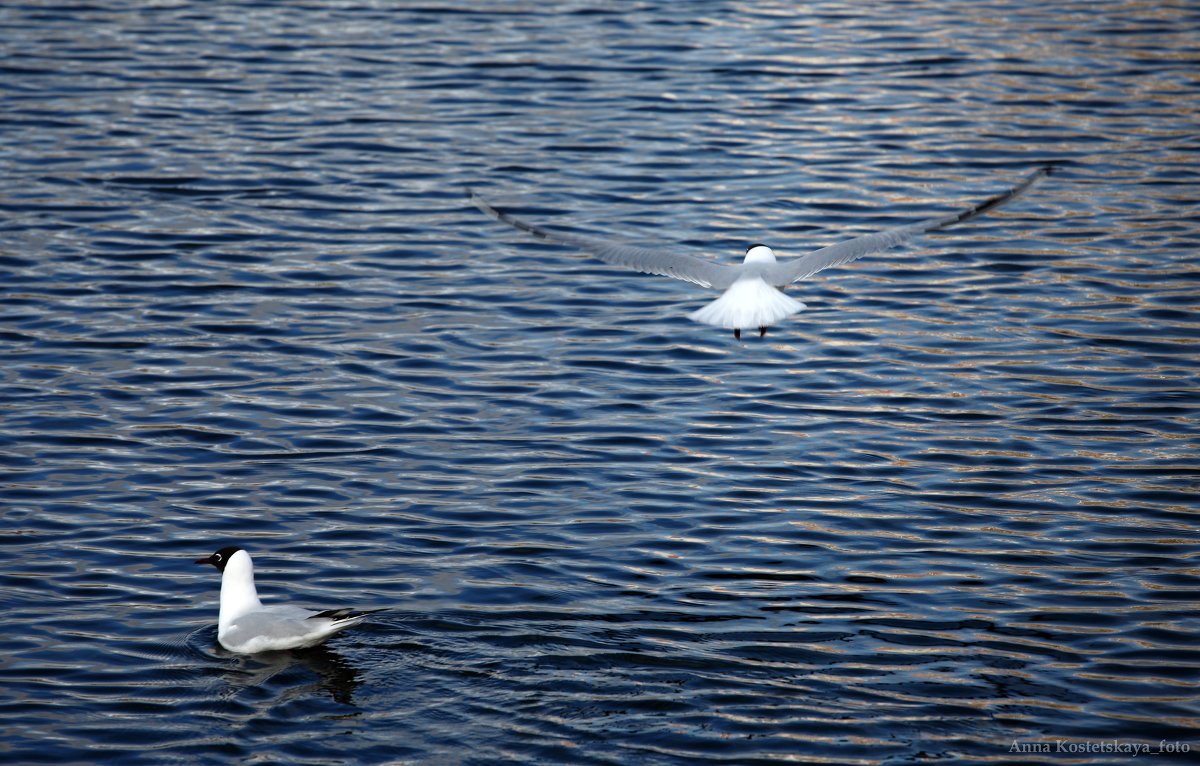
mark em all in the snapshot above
pixel 246 626
pixel 752 294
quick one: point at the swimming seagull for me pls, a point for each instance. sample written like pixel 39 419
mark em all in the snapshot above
pixel 246 626
pixel 752 294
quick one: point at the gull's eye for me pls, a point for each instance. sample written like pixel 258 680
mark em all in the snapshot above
pixel 217 556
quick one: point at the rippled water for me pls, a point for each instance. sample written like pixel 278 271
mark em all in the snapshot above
pixel 946 513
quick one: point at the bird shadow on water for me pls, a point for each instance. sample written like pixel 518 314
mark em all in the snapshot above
pixel 285 675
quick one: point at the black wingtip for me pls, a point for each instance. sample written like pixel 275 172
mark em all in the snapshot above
pixel 345 614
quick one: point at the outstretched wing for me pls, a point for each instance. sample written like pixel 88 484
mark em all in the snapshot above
pixel 795 269
pixel 643 259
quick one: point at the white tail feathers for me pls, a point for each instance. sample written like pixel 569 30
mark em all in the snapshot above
pixel 748 303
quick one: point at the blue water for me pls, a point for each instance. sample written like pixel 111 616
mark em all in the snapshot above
pixel 946 513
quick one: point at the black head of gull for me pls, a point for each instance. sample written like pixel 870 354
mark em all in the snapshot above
pixel 220 558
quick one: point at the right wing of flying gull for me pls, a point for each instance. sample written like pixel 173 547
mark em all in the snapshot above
pixel 796 269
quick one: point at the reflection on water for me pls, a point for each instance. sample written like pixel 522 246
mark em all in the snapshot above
pixel 298 674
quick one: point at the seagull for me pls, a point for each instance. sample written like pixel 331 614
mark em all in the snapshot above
pixel 753 294
pixel 245 626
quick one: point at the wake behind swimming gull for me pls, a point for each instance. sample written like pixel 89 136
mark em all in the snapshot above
pixel 752 295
